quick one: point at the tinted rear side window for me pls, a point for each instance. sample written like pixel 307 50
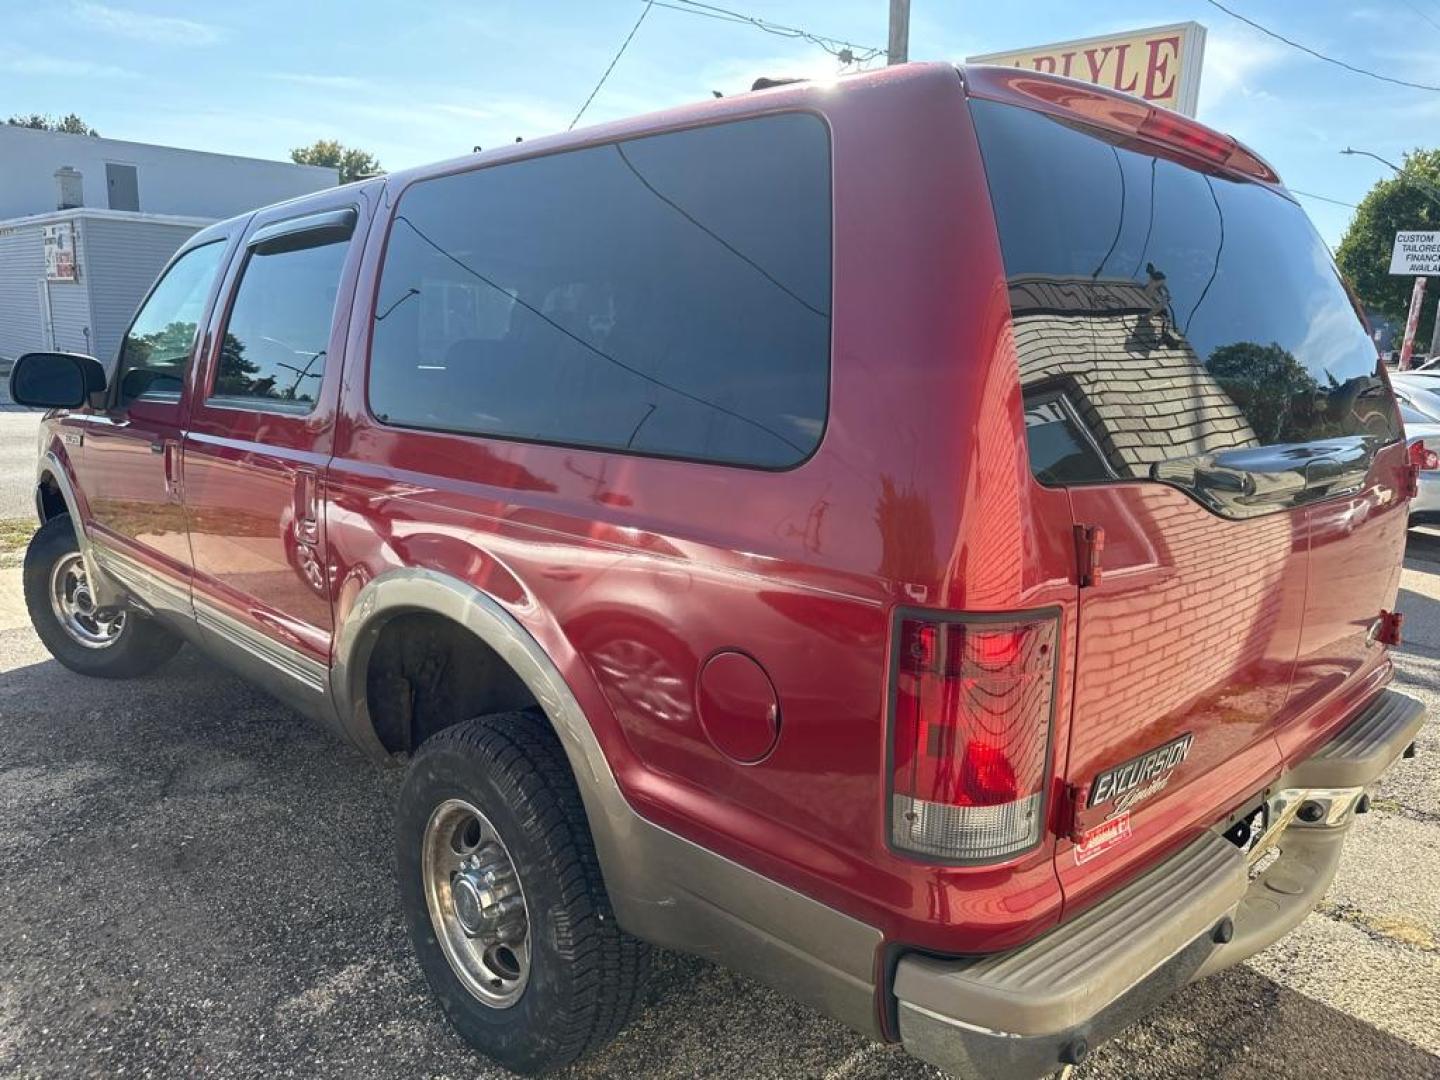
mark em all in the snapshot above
pixel 279 328
pixel 667 295
pixel 1166 317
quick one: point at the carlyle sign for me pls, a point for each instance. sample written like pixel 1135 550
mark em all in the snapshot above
pixel 1161 65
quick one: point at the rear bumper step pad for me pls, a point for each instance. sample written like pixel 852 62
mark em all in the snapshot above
pixel 1368 746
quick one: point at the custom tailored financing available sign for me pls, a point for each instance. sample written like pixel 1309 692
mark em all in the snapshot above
pixel 1416 253
pixel 1161 64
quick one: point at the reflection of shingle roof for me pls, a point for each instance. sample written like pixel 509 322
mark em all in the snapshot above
pixel 1142 392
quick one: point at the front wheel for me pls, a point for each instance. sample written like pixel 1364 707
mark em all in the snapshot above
pixel 503 896
pixel 109 643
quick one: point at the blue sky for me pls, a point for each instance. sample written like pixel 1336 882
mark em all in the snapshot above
pixel 427 80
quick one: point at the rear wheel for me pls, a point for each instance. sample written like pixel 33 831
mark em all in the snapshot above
pixel 110 643
pixel 503 896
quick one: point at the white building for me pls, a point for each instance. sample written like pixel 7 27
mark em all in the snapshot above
pixel 86 224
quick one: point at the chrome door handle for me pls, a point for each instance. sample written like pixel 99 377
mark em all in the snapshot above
pixel 171 452
pixel 307 507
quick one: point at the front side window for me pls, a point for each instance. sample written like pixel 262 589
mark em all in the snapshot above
pixel 160 341
pixel 273 349
pixel 1194 324
pixel 667 296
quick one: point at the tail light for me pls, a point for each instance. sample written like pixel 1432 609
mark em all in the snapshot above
pixel 970 735
pixel 1418 459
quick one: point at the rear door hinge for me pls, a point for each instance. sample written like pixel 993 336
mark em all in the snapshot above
pixel 1089 550
pixel 1386 628
pixel 1076 796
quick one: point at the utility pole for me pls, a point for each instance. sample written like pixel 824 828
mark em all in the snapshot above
pixel 1407 345
pixel 899 50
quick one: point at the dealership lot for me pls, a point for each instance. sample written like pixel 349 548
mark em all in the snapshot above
pixel 196 881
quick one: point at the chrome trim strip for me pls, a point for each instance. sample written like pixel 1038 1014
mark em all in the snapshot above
pixel 311 674
pixel 147 587
pixel 158 592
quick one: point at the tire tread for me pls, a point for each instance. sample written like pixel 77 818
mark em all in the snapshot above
pixel 607 965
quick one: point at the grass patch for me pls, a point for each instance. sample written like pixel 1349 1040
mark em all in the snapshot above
pixel 15 533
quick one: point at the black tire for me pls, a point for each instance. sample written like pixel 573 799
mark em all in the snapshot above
pixel 140 646
pixel 585 974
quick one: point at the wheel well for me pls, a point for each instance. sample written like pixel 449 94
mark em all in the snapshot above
pixel 427 673
pixel 50 501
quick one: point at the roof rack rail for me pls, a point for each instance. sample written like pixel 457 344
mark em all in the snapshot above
pixel 765 82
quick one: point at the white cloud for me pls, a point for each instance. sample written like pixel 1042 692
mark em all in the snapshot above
pixel 323 82
pixel 156 29
pixel 44 65
pixel 1234 58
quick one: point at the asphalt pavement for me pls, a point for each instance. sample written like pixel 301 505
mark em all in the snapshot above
pixel 196 882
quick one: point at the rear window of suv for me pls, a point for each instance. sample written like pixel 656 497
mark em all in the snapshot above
pixel 667 296
pixel 1164 315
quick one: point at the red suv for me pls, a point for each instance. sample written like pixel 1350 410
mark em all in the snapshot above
pixel 925 542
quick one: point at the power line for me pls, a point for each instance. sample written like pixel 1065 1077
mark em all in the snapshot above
pixel 1322 198
pixel 1416 8
pixel 623 46
pixel 834 46
pixel 1319 55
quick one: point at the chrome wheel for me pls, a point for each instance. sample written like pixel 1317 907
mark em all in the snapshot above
pixel 476 903
pixel 74 606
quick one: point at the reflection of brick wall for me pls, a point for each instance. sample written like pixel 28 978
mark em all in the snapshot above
pixel 1143 393
pixel 1172 638
pixel 993 560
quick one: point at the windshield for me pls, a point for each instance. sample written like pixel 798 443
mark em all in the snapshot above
pixel 1165 317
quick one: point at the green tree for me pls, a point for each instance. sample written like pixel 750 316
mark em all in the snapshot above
pixel 69 124
pixel 1410 200
pixel 352 162
pixel 1268 385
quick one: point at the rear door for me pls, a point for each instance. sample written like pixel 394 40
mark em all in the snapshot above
pixel 260 433
pixel 1197 380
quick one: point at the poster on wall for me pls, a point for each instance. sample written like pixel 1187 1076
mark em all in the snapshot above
pixel 59 243
pixel 1161 64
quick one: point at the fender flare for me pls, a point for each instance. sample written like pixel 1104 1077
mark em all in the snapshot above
pixel 106 591
pixel 663 888
pixel 410 590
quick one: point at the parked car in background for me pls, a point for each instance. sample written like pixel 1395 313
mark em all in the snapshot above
pixel 903 539
pixel 1420 413
pixel 1420 394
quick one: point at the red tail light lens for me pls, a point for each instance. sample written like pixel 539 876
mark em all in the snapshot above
pixel 1422 457
pixel 971 735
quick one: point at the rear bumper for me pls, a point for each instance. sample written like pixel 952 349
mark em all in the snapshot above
pixel 1029 1011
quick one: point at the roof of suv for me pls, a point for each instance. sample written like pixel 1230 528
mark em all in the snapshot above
pixel 1069 98
pixel 1055 94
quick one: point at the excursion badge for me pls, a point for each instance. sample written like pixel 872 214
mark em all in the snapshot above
pixel 1139 778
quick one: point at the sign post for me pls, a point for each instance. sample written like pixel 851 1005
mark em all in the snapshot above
pixel 1412 322
pixel 1416 253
